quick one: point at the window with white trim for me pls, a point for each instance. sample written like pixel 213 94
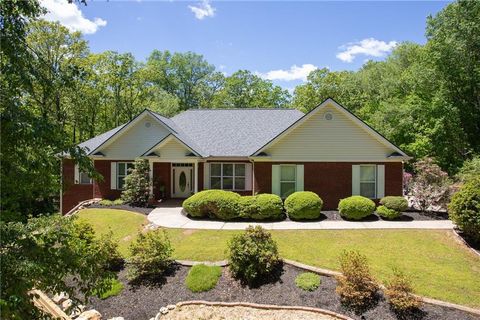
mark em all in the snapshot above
pixel 123 169
pixel 84 178
pixel 288 180
pixel 368 181
pixel 227 176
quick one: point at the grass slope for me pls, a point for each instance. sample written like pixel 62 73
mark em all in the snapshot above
pixel 440 267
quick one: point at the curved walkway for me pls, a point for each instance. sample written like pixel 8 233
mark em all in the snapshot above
pixel 172 217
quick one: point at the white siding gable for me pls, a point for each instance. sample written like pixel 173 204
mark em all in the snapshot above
pixel 134 141
pixel 319 139
pixel 172 150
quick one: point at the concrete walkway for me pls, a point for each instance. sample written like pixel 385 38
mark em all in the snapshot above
pixel 172 217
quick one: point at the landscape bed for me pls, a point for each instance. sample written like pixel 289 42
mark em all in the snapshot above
pixel 441 268
pixel 143 301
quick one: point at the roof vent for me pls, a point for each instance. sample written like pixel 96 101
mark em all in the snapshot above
pixel 328 116
pixel 148 124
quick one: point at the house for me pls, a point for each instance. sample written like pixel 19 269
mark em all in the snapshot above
pixel 328 151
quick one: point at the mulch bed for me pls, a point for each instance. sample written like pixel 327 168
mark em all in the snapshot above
pixel 144 301
pixel 141 210
pixel 406 216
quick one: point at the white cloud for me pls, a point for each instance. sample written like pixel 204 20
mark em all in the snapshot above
pixel 369 47
pixel 203 10
pixel 70 16
pixel 294 73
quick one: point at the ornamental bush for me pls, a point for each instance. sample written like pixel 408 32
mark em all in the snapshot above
pixel 387 213
pixel 261 207
pixel 308 281
pixel 202 277
pixel 464 209
pixel 219 204
pixel 302 205
pixel 399 292
pixel 356 286
pixel 136 190
pixel 396 203
pixel 356 207
pixel 253 255
pixel 150 255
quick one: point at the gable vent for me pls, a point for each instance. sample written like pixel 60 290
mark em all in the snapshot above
pixel 328 116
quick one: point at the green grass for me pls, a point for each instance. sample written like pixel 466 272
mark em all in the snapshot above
pixel 440 267
pixel 308 281
pixel 115 289
pixel 124 224
pixel 202 278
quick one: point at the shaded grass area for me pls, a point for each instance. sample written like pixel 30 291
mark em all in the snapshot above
pixel 203 278
pixel 115 289
pixel 440 267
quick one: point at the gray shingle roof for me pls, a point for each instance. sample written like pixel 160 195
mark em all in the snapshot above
pixel 220 132
pixel 234 132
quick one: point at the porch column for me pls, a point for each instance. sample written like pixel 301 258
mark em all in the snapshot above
pixel 150 174
pixel 195 179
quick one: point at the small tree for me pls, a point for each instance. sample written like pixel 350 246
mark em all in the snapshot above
pixel 356 286
pixel 137 184
pixel 150 255
pixel 430 186
pixel 464 209
pixel 470 169
pixel 253 255
pixel 399 291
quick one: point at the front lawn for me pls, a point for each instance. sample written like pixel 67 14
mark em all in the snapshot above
pixel 441 267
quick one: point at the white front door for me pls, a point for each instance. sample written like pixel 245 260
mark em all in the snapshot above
pixel 182 181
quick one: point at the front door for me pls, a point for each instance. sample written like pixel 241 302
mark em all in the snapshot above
pixel 182 181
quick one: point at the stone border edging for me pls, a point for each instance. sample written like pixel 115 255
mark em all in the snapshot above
pixel 332 273
pixel 264 307
pixel 462 240
pixel 81 205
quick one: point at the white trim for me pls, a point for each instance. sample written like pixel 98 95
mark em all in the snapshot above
pixel 356 120
pixel 259 159
pixel 380 181
pixel 76 174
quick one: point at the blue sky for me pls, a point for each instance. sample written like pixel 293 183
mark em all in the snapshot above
pixel 267 37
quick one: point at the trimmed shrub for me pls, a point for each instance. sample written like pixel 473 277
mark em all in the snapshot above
pixel 106 202
pixel 464 209
pixel 356 207
pixel 253 255
pixel 150 254
pixel 261 207
pixel 356 286
pixel 387 213
pixel 219 204
pixel 396 203
pixel 136 190
pixel 303 205
pixel 202 278
pixel 399 292
pixel 308 281
pixel 118 202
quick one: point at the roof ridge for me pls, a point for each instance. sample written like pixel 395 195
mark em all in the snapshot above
pixel 218 109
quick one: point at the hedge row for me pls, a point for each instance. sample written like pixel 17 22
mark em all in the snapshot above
pixel 301 205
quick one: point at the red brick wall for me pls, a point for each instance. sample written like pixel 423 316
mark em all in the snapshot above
pixel 161 176
pixel 73 193
pixel 332 181
pixel 200 176
pixel 101 189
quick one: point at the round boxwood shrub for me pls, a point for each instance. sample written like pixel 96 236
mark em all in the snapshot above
pixel 356 207
pixel 387 213
pixel 302 205
pixel 396 203
pixel 261 207
pixel 253 255
pixel 464 209
pixel 213 203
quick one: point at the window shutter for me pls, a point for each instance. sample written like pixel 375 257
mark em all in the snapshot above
pixel 276 179
pixel 76 178
pixel 355 180
pixel 380 181
pixel 248 176
pixel 206 176
pixel 113 175
pixel 299 177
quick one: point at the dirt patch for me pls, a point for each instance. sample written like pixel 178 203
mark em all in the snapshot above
pixel 244 313
pixel 144 301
